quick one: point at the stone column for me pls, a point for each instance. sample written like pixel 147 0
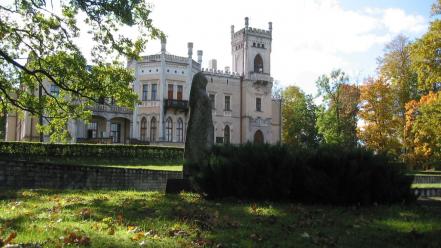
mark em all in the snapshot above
pixel 130 130
pixel 107 132
pixel 161 89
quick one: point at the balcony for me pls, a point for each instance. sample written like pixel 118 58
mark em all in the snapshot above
pixel 110 108
pixel 176 104
pixel 262 77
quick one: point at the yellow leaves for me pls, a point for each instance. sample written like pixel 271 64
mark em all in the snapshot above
pixel 423 129
pixel 137 236
pixel 377 112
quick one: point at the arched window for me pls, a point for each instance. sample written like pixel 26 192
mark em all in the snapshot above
pixel 143 129
pixel 227 134
pixel 153 129
pixel 169 130
pixel 258 137
pixel 180 130
pixel 258 64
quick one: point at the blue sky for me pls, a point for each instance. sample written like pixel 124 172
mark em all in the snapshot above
pixel 421 7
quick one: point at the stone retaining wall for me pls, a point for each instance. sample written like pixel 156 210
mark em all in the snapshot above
pixel 20 174
pixel 427 192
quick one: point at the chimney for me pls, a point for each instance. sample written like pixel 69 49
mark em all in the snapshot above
pixel 200 57
pixel 163 44
pixel 246 22
pixel 212 64
pixel 190 49
pixel 270 27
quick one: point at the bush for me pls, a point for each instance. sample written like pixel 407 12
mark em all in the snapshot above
pixel 32 150
pixel 327 175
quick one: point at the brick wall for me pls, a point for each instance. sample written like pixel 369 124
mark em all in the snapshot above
pixel 18 174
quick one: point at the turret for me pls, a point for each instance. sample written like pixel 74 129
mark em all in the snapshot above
pixel 163 45
pixel 200 56
pixel 190 49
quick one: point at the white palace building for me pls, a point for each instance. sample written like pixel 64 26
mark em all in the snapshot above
pixel 243 108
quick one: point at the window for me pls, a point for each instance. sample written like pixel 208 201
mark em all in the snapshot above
pixel 258 64
pixel 115 129
pixel 153 129
pixel 145 90
pixel 212 100
pixel 170 91
pixel 55 90
pixel 227 103
pixel 219 140
pixel 169 130
pixel 92 129
pixel 258 104
pixel 180 89
pixel 180 130
pixel 227 134
pixel 143 129
pixel 154 90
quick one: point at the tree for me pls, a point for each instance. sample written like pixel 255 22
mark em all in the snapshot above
pixel 395 67
pixel 426 57
pixel 379 129
pixel 38 50
pixel 298 118
pixel 337 117
pixel 423 130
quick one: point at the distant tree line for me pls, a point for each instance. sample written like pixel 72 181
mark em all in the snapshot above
pixel 397 112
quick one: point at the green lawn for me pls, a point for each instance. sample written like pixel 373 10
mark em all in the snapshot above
pixel 152 219
pixel 427 185
pixel 126 163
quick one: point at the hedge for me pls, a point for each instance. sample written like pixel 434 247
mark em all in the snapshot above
pixel 29 150
pixel 328 175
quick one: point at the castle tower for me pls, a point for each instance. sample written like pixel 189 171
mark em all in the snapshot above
pixel 251 51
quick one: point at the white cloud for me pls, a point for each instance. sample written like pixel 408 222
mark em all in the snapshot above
pixel 310 37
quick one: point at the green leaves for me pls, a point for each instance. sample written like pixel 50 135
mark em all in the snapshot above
pixel 336 118
pixel 38 50
pixel 298 118
pixel 426 57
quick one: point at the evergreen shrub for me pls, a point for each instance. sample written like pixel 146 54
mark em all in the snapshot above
pixel 32 150
pixel 328 175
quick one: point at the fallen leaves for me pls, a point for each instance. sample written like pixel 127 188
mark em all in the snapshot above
pixel 75 238
pixel 85 213
pixel 8 239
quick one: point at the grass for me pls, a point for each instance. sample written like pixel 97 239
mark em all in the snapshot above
pixel 427 185
pixel 152 219
pixel 119 163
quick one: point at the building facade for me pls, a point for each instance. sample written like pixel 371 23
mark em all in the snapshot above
pixel 242 105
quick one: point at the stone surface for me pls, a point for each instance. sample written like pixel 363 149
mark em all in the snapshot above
pixel 19 175
pixel 200 130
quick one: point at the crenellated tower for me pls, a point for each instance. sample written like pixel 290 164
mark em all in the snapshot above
pixel 251 51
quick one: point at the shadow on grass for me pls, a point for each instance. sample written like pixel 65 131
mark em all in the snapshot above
pixel 235 223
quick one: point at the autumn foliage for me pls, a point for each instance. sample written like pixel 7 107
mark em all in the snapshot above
pixel 423 130
pixel 379 128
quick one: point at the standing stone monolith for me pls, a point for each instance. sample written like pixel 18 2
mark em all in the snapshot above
pixel 200 130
